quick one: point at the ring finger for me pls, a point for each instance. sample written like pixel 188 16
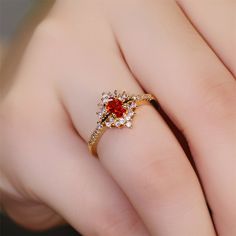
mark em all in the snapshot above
pixel 147 161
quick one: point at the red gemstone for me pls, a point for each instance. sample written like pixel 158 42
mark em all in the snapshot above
pixel 115 106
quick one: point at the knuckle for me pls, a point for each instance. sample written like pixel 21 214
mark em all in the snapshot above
pixel 165 175
pixel 220 102
pixel 116 222
pixel 217 105
pixel 163 180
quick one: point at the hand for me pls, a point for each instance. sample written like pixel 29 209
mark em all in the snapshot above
pixel 143 182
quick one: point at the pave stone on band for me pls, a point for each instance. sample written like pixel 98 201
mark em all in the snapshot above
pixel 116 110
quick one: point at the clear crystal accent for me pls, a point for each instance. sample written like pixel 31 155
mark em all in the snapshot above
pixel 128 124
pixel 100 114
pixel 133 105
pixel 128 117
pixel 105 98
pixel 124 96
pixel 117 124
pixel 105 95
pixel 108 124
pixel 130 113
pixel 99 126
pixel 122 121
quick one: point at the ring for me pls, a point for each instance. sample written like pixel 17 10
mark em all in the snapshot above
pixel 116 110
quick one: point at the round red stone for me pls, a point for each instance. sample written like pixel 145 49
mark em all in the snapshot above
pixel 115 106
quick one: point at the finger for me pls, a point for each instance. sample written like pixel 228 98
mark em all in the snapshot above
pixel 31 216
pixel 148 171
pixel 172 61
pixel 57 171
pixel 141 160
pixel 217 23
pixel 88 198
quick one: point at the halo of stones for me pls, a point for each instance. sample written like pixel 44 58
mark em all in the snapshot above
pixel 110 119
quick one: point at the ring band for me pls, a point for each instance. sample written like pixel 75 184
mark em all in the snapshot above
pixel 116 110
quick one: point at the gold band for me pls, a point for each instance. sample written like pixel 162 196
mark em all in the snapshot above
pixel 117 110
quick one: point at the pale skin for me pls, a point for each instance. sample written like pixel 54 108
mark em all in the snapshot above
pixel 142 182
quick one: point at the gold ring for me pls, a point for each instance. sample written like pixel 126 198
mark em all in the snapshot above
pixel 116 110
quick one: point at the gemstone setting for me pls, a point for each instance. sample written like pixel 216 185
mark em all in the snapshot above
pixel 117 109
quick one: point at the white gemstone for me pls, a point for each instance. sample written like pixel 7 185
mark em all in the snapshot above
pixel 120 98
pixel 128 117
pixel 130 113
pixel 103 110
pixel 117 123
pixel 108 124
pixel 128 124
pixel 124 96
pixel 122 121
pixel 105 98
pixel 111 119
pixel 99 126
pixel 133 105
pixel 100 114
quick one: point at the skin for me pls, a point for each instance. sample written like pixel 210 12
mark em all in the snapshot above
pixel 142 183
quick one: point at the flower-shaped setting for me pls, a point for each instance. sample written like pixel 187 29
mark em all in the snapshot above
pixel 116 110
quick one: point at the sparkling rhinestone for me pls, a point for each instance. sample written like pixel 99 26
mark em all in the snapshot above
pixel 127 117
pixel 122 121
pixel 117 124
pixel 99 114
pixel 108 124
pixel 105 98
pixel 99 126
pixel 111 119
pixel 103 110
pixel 130 113
pixel 124 96
pixel 133 105
pixel 105 95
pixel 128 124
